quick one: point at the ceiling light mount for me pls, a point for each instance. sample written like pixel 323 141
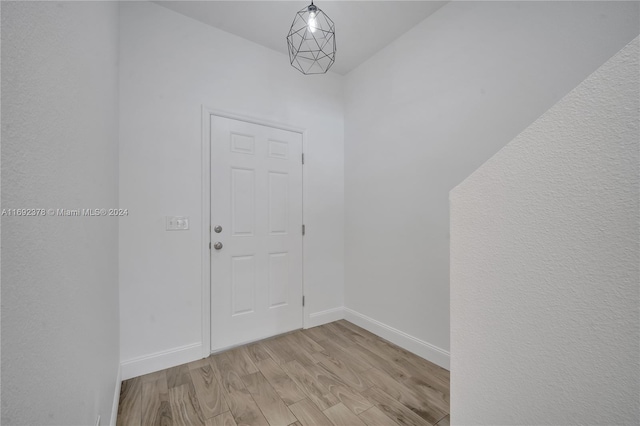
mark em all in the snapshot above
pixel 312 41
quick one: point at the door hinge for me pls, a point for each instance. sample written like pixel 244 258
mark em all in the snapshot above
pixel 209 245
pixel 304 229
pixel 302 300
pixel 303 158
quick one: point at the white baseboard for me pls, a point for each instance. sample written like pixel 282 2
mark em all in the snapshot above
pixel 116 398
pixel 324 317
pixel 181 355
pixel 160 360
pixel 419 347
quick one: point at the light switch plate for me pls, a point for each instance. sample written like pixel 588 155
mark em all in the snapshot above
pixel 177 223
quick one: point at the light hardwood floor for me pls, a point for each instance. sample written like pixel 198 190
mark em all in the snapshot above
pixel 334 374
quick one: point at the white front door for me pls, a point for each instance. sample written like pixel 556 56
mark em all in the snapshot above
pixel 256 200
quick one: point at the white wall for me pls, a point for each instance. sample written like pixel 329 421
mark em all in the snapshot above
pixel 60 346
pixel 425 112
pixel 545 308
pixel 170 66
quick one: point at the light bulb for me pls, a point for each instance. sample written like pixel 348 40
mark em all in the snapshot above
pixel 313 25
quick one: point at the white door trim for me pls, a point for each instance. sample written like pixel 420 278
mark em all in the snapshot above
pixel 207 112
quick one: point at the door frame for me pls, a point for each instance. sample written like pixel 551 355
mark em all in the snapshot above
pixel 207 112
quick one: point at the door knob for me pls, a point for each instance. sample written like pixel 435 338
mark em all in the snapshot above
pixel 218 229
pixel 217 245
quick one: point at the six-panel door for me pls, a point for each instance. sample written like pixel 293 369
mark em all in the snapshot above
pixel 256 197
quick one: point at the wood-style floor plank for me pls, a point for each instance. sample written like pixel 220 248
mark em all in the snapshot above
pixel 305 358
pixel 379 362
pixel 241 361
pixel 152 377
pixel 281 382
pixel 421 363
pixel 426 371
pixel 257 352
pixel 337 373
pixel 341 415
pixel 308 414
pixel 224 419
pixel 434 395
pixel 185 407
pixel 342 369
pixel 208 391
pixel 301 340
pixel 444 421
pixel 382 349
pixel 411 363
pixel 408 367
pixel 268 400
pixel 280 350
pixel 351 333
pixel 130 408
pixel 194 365
pixel 228 379
pixel 241 404
pixel 156 409
pixel 349 397
pixel 178 376
pixel 317 334
pixel 436 379
pixel 398 412
pixel 244 409
pixel 347 356
pixel 315 390
pixel 337 335
pixel 375 417
pixel 358 330
pixel 408 397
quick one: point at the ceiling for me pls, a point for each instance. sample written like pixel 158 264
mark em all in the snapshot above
pixel 362 28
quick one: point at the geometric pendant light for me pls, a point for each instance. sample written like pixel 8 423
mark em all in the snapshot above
pixel 312 41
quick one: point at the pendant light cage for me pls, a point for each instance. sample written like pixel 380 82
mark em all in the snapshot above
pixel 312 41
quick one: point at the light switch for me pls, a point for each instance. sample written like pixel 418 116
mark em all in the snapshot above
pixel 177 223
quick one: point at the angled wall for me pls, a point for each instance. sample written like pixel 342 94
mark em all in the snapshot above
pixel 545 304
